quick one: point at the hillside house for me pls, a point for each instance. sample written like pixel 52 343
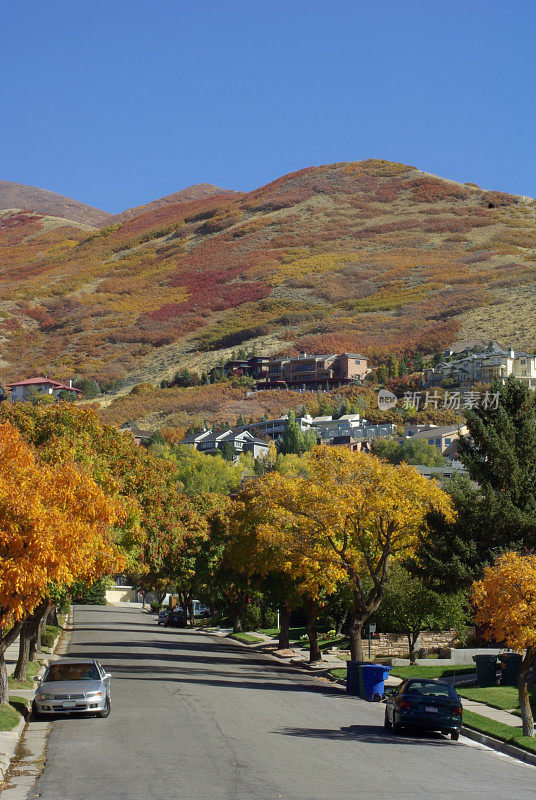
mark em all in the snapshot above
pixel 314 372
pixel 210 442
pixel 254 367
pixel 443 437
pixel 483 368
pixel 22 390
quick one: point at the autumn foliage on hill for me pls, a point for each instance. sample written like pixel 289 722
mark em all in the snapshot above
pixel 370 255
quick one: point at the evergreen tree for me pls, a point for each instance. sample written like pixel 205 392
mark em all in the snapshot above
pixel 500 513
pixel 293 439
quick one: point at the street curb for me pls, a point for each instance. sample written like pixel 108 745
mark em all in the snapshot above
pixel 502 747
pixel 13 740
pixel 15 735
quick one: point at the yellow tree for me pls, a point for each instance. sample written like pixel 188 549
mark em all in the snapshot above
pixel 505 600
pixel 352 514
pixel 55 527
pixel 254 550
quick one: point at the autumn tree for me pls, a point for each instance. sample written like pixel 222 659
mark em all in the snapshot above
pixel 505 600
pixel 352 514
pixel 55 527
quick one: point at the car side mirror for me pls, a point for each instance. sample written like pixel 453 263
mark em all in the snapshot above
pixel 107 674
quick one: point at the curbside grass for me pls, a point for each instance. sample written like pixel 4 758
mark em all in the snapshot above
pixel 245 638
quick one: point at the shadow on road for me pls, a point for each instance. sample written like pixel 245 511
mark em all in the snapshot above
pixel 375 734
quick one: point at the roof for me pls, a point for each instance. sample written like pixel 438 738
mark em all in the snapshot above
pixel 440 430
pixel 40 381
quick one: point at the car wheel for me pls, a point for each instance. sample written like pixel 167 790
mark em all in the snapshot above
pixel 106 710
pixel 397 727
pixel 387 722
pixel 455 735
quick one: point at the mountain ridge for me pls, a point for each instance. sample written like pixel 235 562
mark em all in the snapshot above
pixel 372 256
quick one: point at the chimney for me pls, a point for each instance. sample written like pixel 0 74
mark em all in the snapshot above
pixel 512 354
pixel 70 383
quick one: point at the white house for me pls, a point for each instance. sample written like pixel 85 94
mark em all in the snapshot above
pixel 21 390
pixel 210 442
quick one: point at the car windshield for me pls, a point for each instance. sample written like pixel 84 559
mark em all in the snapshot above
pixel 430 688
pixel 72 672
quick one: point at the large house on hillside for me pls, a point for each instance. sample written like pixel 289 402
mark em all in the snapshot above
pixel 210 442
pixel 314 372
pixel 254 367
pixel 482 368
pixel 22 390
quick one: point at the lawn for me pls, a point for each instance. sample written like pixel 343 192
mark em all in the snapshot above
pixel 245 638
pixel 33 667
pixel 503 697
pixel 11 714
pixel 431 672
pixel 499 731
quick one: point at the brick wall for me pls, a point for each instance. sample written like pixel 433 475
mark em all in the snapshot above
pixel 395 644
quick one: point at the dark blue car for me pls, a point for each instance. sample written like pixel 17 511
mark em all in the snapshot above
pixel 427 704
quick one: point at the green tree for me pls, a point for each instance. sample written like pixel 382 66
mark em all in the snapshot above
pixel 496 504
pixel 228 451
pixel 293 439
pixel 418 452
pixel 409 607
pixel 382 375
pixel 393 366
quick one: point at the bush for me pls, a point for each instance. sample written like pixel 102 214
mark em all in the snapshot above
pixel 89 593
pixel 48 637
pixel 155 607
pixel 252 618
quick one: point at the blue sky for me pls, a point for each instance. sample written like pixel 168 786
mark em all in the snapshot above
pixel 118 102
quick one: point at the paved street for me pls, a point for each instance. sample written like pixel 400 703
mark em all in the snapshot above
pixel 198 719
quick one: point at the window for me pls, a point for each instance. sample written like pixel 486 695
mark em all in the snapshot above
pixel 438 442
pixel 448 441
pixel 523 361
pixel 357 361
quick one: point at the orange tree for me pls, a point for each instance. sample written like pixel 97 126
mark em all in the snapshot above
pixel 158 520
pixel 55 527
pixel 505 600
pixel 352 515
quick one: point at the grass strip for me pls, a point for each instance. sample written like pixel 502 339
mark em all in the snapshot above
pixel 431 672
pixel 33 667
pixel 498 730
pixel 503 697
pixel 245 638
pixel 11 713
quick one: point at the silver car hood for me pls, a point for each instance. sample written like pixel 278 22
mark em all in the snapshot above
pixel 70 687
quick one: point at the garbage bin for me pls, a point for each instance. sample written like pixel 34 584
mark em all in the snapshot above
pixel 511 664
pixel 353 678
pixel 373 681
pixel 486 669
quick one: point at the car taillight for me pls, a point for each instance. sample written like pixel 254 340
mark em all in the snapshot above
pixel 404 705
pixel 458 710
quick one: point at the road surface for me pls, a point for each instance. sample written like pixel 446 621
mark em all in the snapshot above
pixel 196 718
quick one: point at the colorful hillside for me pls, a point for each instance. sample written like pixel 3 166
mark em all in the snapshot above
pixel 371 256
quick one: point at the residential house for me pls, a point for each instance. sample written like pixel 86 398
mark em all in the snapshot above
pixel 254 367
pixel 483 368
pixel 274 428
pixel 443 473
pixel 314 372
pixel 210 442
pixel 22 390
pixel 441 436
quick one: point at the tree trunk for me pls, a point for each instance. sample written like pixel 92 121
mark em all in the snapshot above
pixel 52 618
pixel 312 633
pixel 191 614
pixel 412 639
pixel 356 640
pixel 339 622
pixel 21 670
pixel 284 630
pixel 160 596
pixel 524 701
pixel 236 620
pixel 4 688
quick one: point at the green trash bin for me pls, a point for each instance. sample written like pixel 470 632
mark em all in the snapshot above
pixel 486 669
pixel 510 666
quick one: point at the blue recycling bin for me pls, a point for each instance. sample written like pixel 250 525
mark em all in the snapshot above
pixel 373 681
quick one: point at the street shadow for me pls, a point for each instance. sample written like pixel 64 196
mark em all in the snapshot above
pixel 373 734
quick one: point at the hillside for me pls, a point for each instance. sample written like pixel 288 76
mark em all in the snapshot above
pixel 198 191
pixel 370 255
pixel 19 196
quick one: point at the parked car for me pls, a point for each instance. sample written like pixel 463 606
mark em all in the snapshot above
pixel 177 619
pixel 200 610
pixel 427 704
pixel 70 686
pixel 163 615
